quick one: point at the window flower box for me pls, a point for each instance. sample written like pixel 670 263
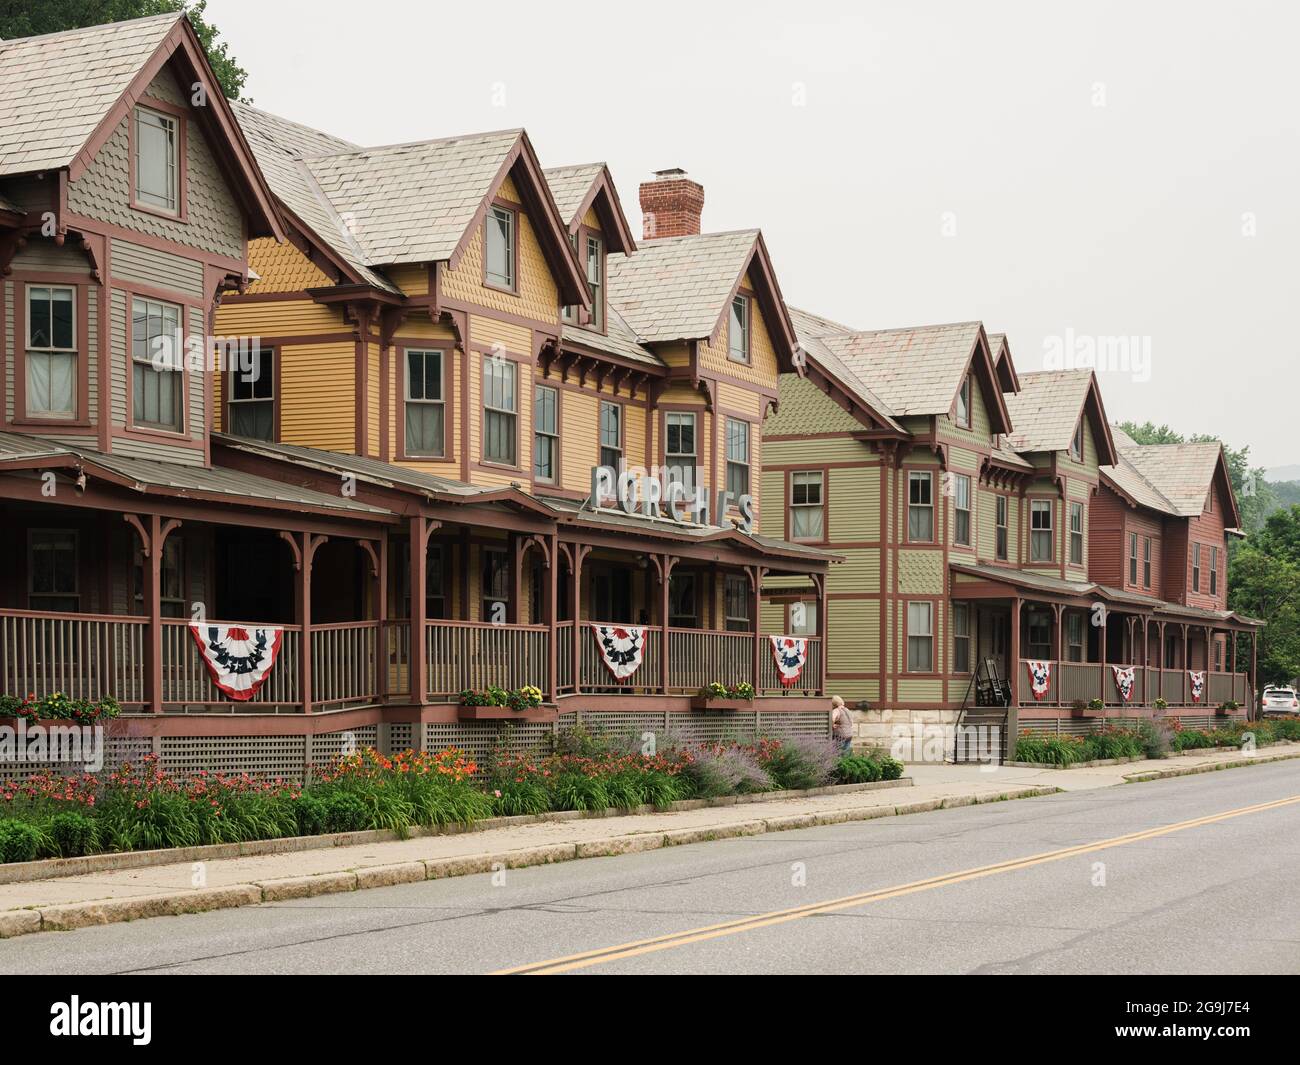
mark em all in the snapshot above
pixel 717 696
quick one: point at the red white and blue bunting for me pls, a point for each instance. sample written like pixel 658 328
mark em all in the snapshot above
pixel 790 653
pixel 622 648
pixel 1197 678
pixel 1124 679
pixel 1040 677
pixel 238 659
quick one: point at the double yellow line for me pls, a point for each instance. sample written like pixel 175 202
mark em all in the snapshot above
pixel 766 920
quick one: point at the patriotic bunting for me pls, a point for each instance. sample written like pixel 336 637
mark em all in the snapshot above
pixel 1124 681
pixel 1040 678
pixel 1198 683
pixel 238 659
pixel 790 653
pixel 622 648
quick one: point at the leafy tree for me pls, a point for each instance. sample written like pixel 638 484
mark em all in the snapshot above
pixel 29 18
pixel 1264 583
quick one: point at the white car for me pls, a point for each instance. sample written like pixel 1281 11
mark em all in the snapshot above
pixel 1280 701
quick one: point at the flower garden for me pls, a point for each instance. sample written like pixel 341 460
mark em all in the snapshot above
pixel 1148 739
pixel 140 806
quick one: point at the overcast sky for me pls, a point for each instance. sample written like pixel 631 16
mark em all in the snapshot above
pixel 1062 172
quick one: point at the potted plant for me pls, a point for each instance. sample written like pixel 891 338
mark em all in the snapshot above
pixel 495 704
pixel 717 696
pixel 1096 706
pixel 1078 708
pixel 1229 706
pixel 57 707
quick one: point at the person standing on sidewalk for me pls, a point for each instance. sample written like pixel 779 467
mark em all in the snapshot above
pixel 842 725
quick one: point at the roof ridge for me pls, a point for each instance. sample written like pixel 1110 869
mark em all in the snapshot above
pixel 240 105
pixel 170 16
pixel 379 148
pixel 704 236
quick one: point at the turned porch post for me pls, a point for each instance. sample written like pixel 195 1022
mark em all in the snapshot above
pixel 553 614
pixel 823 620
pixel 153 532
pixel 420 529
pixel 664 565
pixel 1014 669
pixel 756 575
pixel 577 552
pixel 1057 611
pixel 304 546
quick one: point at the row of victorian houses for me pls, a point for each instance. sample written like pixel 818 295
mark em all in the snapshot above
pixel 302 439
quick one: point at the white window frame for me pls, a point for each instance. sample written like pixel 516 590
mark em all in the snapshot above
pixel 1133 559
pixel 1001 528
pixel 920 635
pixel 1037 531
pixel 1196 567
pixel 609 450
pixel 1214 570
pixel 961 638
pixel 739 321
pixel 680 469
pixel 550 436
pixel 961 485
pixel 146 365
pixel 738 468
pixel 963 403
pixel 169 202
pixel 1076 534
pixel 1076 442
pixel 807 480
pixel 50 352
pixel 423 401
pixel 496 214
pixel 506 415
pixel 596 283
pixel 918 477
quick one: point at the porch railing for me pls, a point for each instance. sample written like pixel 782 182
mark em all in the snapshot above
pixel 343 663
pixel 809 680
pixel 594 675
pixel 1086 681
pixel 85 656
pixel 397 658
pixel 187 685
pixel 564 657
pixel 697 657
pixel 470 654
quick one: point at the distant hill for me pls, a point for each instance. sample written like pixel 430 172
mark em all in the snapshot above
pixel 1283 473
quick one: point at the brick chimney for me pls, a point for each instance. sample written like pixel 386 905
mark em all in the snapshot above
pixel 671 205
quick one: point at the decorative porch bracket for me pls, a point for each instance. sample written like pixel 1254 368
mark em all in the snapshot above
pixel 153 532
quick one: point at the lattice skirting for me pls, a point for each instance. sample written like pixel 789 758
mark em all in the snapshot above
pixel 1081 726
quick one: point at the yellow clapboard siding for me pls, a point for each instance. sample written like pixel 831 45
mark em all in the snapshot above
pixel 853 499
pixel 318 386
pixel 279 318
pixel 858 573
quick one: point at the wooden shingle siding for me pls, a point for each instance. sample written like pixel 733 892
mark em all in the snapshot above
pixel 803 404
pixel 103 192
pixel 281 268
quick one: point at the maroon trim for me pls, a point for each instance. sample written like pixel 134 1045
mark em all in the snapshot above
pixel 152 103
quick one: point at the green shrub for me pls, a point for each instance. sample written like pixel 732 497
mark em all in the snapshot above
pixel 857 769
pixel 345 811
pixel 890 768
pixel 312 815
pixel 74 834
pixel 510 798
pixel 21 841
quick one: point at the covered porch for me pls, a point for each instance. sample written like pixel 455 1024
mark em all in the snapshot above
pixel 1074 636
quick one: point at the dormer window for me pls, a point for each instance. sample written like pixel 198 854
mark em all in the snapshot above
pixel 499 261
pixel 963 403
pixel 596 279
pixel 738 334
pixel 157 168
pixel 1076 444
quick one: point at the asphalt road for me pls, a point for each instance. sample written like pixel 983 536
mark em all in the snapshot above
pixel 1195 893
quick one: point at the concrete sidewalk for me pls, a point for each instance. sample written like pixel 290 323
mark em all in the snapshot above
pixel 186 887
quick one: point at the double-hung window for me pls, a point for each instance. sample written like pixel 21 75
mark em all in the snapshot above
pixel 1146 562
pixel 1040 530
pixel 546 434
pixel 1074 636
pixel 963 403
pixel 1076 534
pixel 426 414
pixel 52 577
pixel 737 459
pixel 961 638
pixel 807 505
pixel 157 150
pixel 596 280
pixel 961 510
pixel 611 435
pixel 1133 558
pixel 680 455
pixel 1214 571
pixel 500 411
pixel 51 351
pixel 1076 443
pixel 496 584
pixel 920 637
pixel 252 396
pixel 157 364
pixel 499 267
pixel 738 333
pixel 920 506
pixel 1196 567
pixel 737 603
pixel 1000 529
pixel 1038 636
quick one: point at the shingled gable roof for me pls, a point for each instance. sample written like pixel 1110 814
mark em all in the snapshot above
pixel 1005 366
pixel 62 95
pixel 406 203
pixel 1047 409
pixel 680 288
pixel 811 329
pixel 1184 474
pixel 578 189
pixel 918 371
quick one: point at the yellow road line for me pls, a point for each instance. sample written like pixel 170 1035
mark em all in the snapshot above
pixel 765 920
